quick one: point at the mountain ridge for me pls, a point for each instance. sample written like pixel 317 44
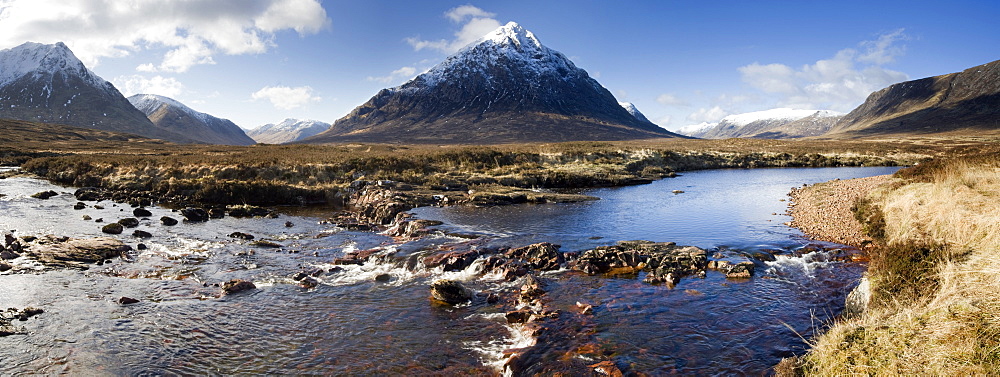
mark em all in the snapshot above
pixel 170 114
pixel 288 130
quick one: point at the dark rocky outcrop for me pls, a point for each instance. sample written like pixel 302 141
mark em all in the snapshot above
pixel 141 212
pixel 663 262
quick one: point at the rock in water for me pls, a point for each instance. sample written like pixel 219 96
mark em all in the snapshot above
pixel 113 228
pixel 194 214
pixel 141 234
pixel 45 194
pixel 450 292
pixel 141 212
pixel 127 301
pixel 88 194
pixel 168 221
pixel 129 222
pixel 236 285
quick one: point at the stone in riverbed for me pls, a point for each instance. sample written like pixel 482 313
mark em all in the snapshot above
pixel 45 194
pixel 8 255
pixel 127 301
pixel 541 256
pixel 113 228
pixel 263 243
pixel 69 252
pixel 5 267
pixel 194 214
pixel 168 221
pixel 742 270
pixel 236 285
pixel 88 194
pixel 450 292
pixel 129 222
pixel 79 205
pixel 141 234
pixel 141 212
pixel 216 213
pixel 241 235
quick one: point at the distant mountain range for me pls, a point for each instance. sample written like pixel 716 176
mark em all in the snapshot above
pixel 506 87
pixel 289 130
pixel 779 123
pixel 47 83
pixel 166 113
pixel 967 101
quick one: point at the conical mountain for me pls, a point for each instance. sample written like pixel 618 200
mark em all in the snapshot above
pixel 966 102
pixel 47 83
pixel 506 87
pixel 169 114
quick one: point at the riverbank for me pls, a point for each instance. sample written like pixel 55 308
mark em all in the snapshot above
pixel 929 303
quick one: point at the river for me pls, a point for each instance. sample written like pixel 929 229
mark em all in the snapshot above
pixel 352 324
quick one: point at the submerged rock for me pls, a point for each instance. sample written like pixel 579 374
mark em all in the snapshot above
pixel 236 286
pixel 450 292
pixel 241 235
pixel 127 301
pixel 73 252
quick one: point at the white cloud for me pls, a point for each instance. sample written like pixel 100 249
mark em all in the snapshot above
pixel 670 100
pixel 137 84
pixel 475 24
pixel 713 114
pixel 191 31
pixel 404 73
pixel 286 98
pixel 839 83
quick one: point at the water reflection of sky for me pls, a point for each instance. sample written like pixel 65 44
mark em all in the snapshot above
pixel 734 207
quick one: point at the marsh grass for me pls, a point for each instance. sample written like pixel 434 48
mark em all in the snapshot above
pixel 935 285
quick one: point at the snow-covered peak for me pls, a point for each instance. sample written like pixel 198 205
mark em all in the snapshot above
pixel 290 124
pixel 776 114
pixel 149 103
pixel 630 107
pixel 509 45
pixel 511 33
pixel 695 129
pixel 42 59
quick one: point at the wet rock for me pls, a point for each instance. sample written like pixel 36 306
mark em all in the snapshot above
pixel 383 278
pixel 236 286
pixel 194 214
pixel 79 205
pixel 763 256
pixel 677 191
pixel 541 256
pixel 141 234
pixel 308 282
pixel 71 252
pixel 412 228
pixel 518 316
pixel 9 239
pixel 98 207
pixel 113 228
pixel 241 235
pixel 28 313
pixel 87 218
pixel 141 212
pixel 141 246
pixel 532 289
pixel 88 194
pixel 264 243
pixel 607 368
pixel 45 194
pixel 100 220
pixel 450 292
pixel 8 255
pixel 129 222
pixel 664 262
pixel 127 301
pixel 347 261
pixel 742 270
pixel 216 213
pixel 289 224
pixel 248 211
pixel 5 267
pixel 492 298
pixel 452 261
pixel 168 221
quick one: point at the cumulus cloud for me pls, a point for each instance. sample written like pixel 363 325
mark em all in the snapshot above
pixel 286 98
pixel 712 114
pixel 670 100
pixel 137 84
pixel 475 24
pixel 191 31
pixel 839 83
pixel 404 73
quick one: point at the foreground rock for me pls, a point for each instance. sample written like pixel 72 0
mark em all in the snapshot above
pixel 76 253
pixel 663 262
pixel 450 292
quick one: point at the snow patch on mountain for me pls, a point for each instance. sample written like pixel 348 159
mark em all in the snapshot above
pixel 630 107
pixel 696 129
pixel 41 60
pixel 288 130
pixel 776 114
pixel 149 103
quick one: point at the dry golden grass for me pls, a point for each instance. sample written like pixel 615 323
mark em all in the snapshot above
pixel 950 324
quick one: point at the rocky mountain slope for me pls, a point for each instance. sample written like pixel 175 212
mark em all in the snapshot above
pixel 781 123
pixel 47 83
pixel 289 130
pixel 964 102
pixel 506 87
pixel 169 114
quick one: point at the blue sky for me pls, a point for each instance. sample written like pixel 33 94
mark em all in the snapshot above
pixel 680 62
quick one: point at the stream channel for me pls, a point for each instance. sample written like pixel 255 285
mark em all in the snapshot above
pixel 351 324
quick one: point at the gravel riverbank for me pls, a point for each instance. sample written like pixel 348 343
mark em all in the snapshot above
pixel 823 211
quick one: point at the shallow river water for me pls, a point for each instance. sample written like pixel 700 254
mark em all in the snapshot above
pixel 352 324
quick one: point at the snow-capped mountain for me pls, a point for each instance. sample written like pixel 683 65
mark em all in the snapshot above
pixel 169 114
pixel 287 131
pixel 630 107
pixel 778 123
pixel 505 87
pixel 47 83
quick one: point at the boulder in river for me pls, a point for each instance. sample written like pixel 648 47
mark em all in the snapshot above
pixel 45 194
pixel 450 292
pixel 241 235
pixel 540 256
pixel 141 234
pixel 237 285
pixel 88 194
pixel 74 252
pixel 4 266
pixel 8 255
pixel 216 213
pixel 168 221
pixel 127 301
pixel 194 214
pixel 129 222
pixel 141 212
pixel 113 228
pixel 79 205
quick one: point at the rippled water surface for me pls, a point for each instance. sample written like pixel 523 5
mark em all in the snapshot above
pixel 351 324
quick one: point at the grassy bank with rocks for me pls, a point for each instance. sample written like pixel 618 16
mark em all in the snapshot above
pixel 929 303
